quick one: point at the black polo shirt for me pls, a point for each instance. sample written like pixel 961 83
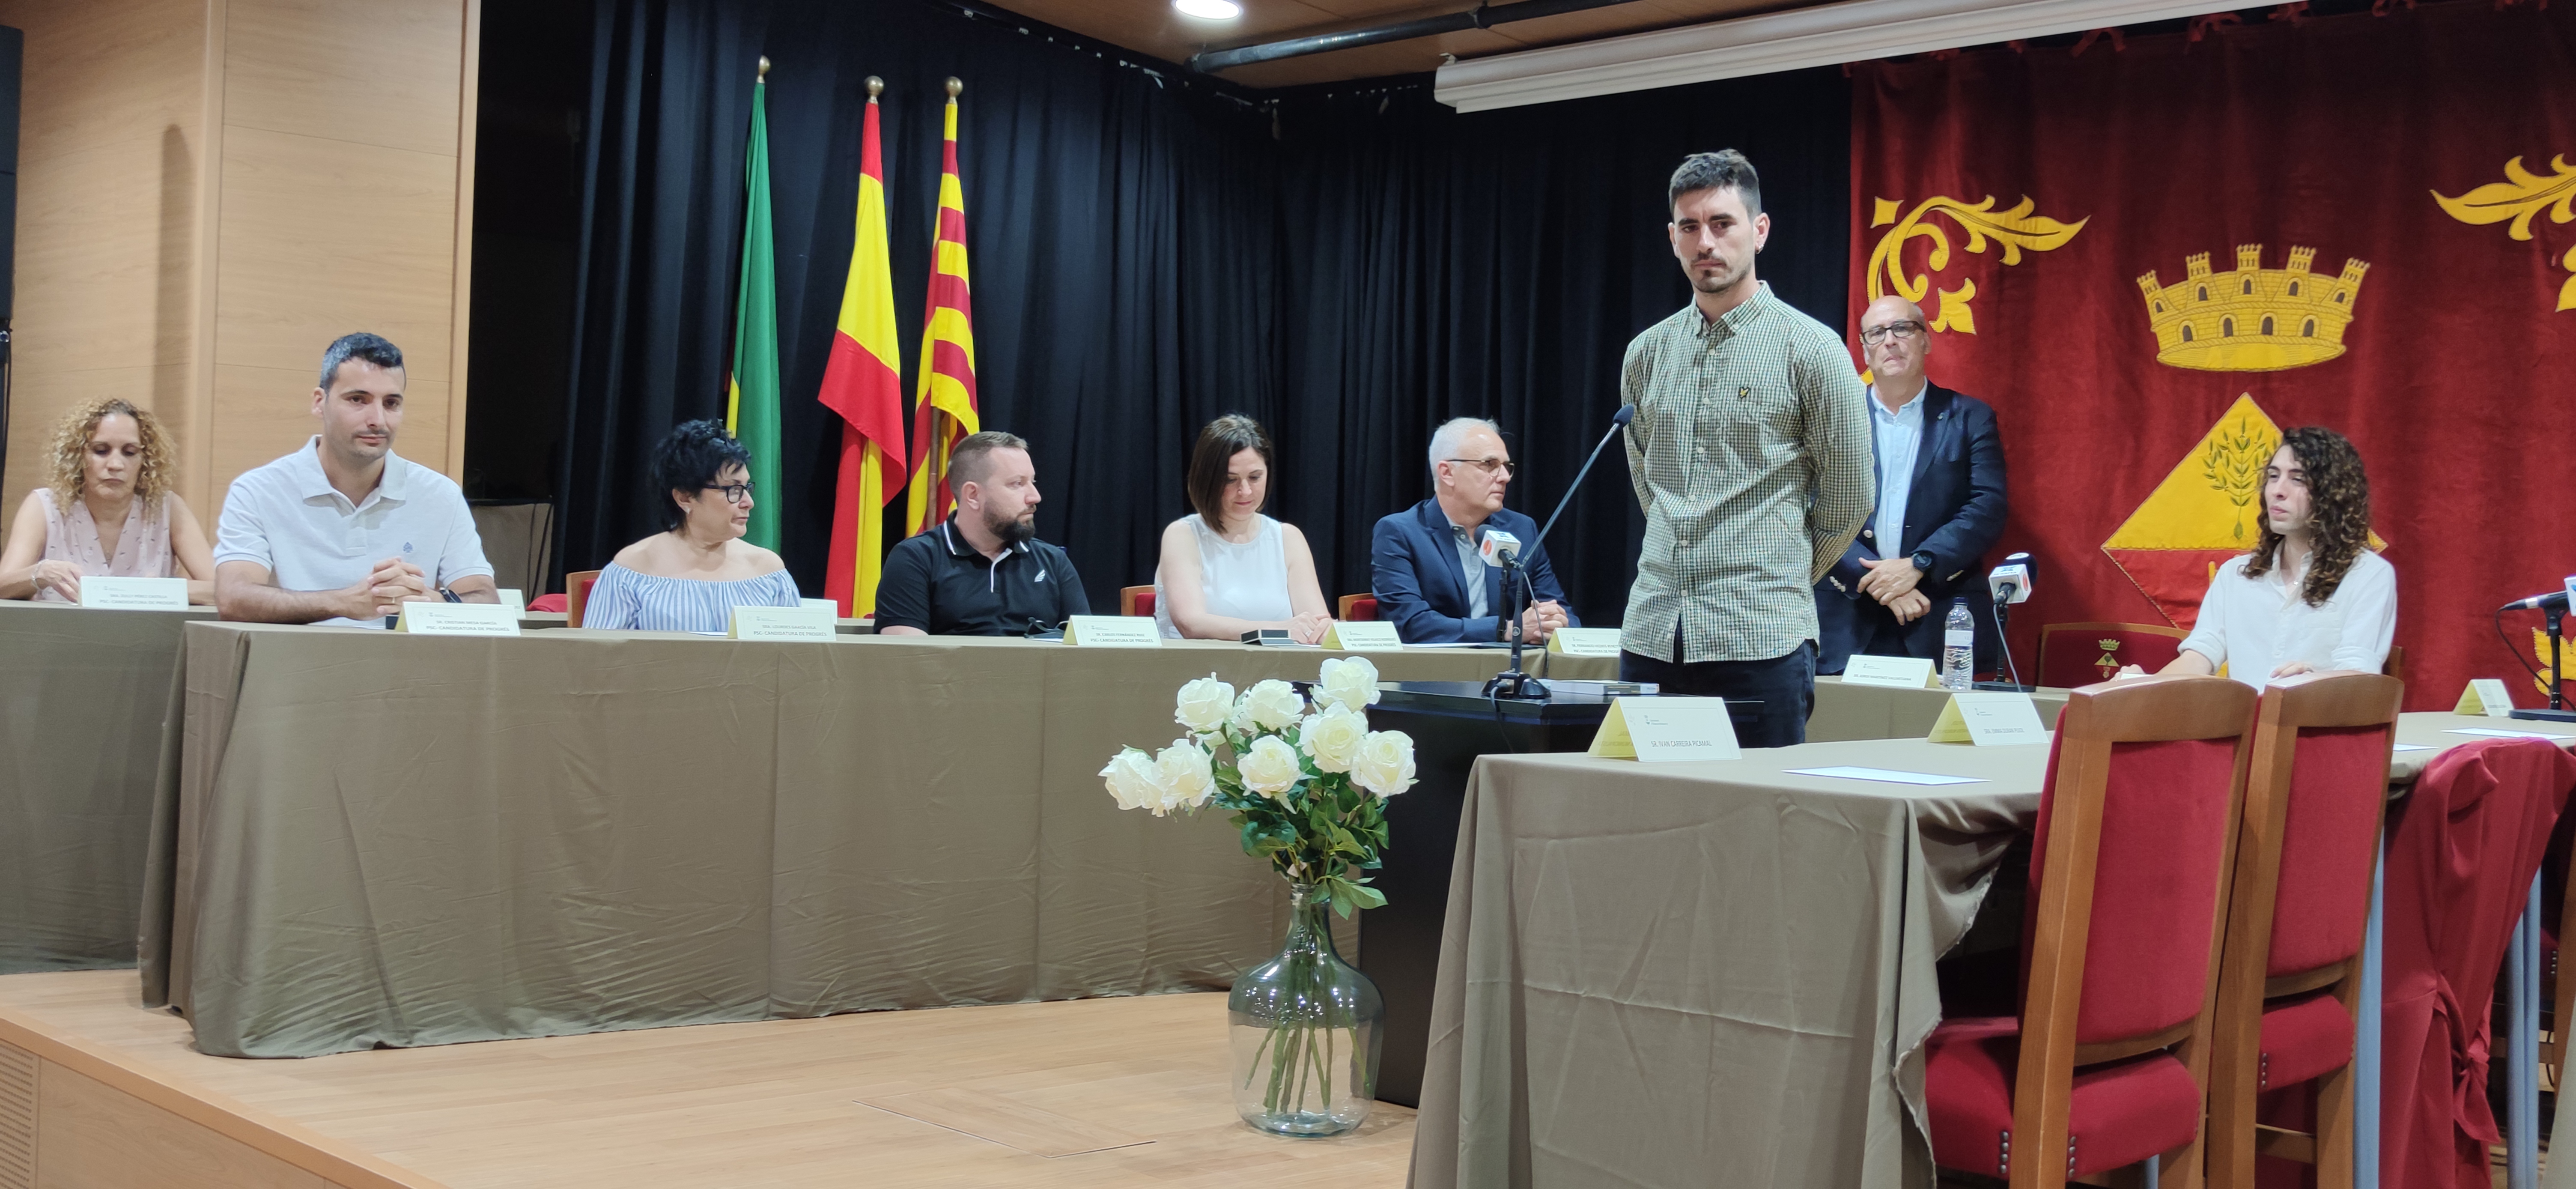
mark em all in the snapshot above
pixel 942 585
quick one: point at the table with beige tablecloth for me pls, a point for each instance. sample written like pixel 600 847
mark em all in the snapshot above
pixel 1846 710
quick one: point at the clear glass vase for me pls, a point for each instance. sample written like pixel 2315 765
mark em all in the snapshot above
pixel 1306 1028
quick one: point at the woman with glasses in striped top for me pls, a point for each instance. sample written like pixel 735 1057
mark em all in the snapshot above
pixel 690 577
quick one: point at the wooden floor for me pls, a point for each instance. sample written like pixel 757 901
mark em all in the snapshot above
pixel 1090 1093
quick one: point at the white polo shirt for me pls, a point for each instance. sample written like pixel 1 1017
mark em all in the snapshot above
pixel 2256 625
pixel 287 517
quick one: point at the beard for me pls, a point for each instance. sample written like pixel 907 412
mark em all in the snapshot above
pixel 1721 281
pixel 1011 530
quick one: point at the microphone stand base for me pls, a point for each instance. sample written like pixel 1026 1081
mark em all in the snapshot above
pixel 1518 686
pixel 2546 715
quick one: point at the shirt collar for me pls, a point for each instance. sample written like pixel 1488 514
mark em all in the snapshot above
pixel 311 481
pixel 1733 322
pixel 959 547
pixel 1912 407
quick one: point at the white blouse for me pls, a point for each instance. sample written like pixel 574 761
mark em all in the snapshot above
pixel 1245 581
pixel 2256 625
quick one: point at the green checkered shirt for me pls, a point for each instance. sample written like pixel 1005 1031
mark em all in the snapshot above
pixel 1751 456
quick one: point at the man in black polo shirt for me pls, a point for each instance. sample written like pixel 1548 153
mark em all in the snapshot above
pixel 983 572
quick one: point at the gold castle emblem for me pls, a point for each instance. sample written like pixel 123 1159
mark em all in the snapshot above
pixel 2251 318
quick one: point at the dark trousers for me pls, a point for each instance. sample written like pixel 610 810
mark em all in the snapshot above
pixel 1785 685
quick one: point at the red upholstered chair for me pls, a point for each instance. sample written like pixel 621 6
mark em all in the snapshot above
pixel 2289 980
pixel 2106 1064
pixel 577 594
pixel 1358 608
pixel 1135 600
pixel 2073 654
pixel 549 604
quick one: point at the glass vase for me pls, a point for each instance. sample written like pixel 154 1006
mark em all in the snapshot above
pixel 1306 1028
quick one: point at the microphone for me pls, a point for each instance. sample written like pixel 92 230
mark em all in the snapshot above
pixel 2554 600
pixel 2011 582
pixel 1499 547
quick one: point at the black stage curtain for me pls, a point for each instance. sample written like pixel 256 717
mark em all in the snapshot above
pixel 1350 265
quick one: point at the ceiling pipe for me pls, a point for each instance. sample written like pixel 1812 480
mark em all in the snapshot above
pixel 1483 16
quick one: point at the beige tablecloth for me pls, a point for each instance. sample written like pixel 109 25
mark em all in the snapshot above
pixel 1845 711
pixel 422 840
pixel 82 697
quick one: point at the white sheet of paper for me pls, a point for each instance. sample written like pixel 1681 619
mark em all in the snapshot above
pixel 2489 733
pixel 457 619
pixel 1112 631
pixel 784 623
pixel 134 594
pixel 1364 636
pixel 2411 747
pixel 1884 775
pixel 1585 642
pixel 1899 672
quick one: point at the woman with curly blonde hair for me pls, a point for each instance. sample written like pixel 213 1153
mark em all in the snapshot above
pixel 2311 596
pixel 107 512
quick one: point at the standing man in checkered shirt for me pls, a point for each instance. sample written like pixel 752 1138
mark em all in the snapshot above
pixel 1750 453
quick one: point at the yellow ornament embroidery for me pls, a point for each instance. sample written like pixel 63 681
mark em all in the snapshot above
pixel 2518 198
pixel 2013 229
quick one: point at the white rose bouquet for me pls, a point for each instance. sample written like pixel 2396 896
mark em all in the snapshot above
pixel 1307 780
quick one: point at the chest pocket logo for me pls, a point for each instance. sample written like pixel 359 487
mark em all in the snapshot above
pixel 1041 576
pixel 1743 394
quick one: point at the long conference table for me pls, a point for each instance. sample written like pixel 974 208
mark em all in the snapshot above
pixel 1721 973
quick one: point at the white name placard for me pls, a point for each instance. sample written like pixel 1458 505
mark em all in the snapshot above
pixel 1363 636
pixel 1585 642
pixel 821 605
pixel 1898 672
pixel 515 600
pixel 782 623
pixel 1989 718
pixel 2485 695
pixel 135 594
pixel 1112 631
pixel 1659 730
pixel 458 619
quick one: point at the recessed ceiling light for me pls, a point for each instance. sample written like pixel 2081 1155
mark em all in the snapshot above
pixel 1209 10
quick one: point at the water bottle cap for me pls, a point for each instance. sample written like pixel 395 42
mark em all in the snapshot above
pixel 1959 601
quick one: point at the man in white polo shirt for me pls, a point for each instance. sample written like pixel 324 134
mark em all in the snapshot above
pixel 344 531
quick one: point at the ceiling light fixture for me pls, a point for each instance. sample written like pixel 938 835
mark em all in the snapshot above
pixel 1209 10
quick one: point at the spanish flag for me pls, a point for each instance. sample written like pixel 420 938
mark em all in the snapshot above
pixel 751 399
pixel 864 385
pixel 943 409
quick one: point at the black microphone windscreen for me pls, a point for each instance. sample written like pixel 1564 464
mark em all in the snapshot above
pixel 1626 414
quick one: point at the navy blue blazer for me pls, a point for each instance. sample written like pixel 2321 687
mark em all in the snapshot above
pixel 1955 510
pixel 1422 588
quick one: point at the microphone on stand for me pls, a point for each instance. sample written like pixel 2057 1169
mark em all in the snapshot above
pixel 2553 607
pixel 2010 583
pixel 1513 683
pixel 2556 599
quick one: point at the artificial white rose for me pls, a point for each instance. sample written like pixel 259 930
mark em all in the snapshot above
pixel 1186 777
pixel 1385 763
pixel 1348 681
pixel 1333 737
pixel 1131 779
pixel 1204 705
pixel 1270 767
pixel 1274 704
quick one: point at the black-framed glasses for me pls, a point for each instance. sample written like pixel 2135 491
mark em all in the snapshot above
pixel 734 493
pixel 1490 465
pixel 1903 330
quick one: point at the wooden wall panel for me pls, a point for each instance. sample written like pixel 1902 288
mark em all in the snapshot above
pixel 379 73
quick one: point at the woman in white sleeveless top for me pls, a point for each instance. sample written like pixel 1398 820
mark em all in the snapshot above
pixel 1229 569
pixel 107 511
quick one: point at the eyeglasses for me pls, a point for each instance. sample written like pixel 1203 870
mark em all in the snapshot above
pixel 1879 334
pixel 1490 465
pixel 734 493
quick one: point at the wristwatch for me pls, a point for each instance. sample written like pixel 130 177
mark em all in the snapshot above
pixel 1922 560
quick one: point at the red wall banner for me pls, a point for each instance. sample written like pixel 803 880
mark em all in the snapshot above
pixel 2151 258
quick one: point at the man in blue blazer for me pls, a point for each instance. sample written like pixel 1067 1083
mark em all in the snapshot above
pixel 1429 580
pixel 1940 507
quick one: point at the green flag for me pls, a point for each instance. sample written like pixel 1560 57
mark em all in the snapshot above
pixel 751 402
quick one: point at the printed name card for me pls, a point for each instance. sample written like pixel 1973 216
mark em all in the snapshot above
pixel 457 619
pixel 1989 718
pixel 1585 642
pixel 782 623
pixel 135 594
pixel 821 605
pixel 515 600
pixel 1112 631
pixel 1660 730
pixel 2485 695
pixel 1363 636
pixel 1897 672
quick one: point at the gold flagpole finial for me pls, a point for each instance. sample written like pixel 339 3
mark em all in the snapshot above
pixel 954 86
pixel 764 68
pixel 876 86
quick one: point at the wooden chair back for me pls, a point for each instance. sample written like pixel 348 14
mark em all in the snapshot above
pixel 1135 600
pixel 2315 801
pixel 1358 608
pixel 2073 654
pixel 577 595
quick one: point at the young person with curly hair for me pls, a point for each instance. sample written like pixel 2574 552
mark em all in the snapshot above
pixel 107 512
pixel 2312 596
pixel 690 576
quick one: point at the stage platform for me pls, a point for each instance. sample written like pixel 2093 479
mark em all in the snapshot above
pixel 96 1090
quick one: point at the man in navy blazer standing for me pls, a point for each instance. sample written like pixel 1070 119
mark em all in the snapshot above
pixel 1940 507
pixel 1429 580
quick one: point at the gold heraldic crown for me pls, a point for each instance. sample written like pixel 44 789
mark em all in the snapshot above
pixel 2251 318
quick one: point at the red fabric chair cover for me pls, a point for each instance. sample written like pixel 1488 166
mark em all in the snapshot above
pixel 551 603
pixel 2121 1112
pixel 2336 789
pixel 2462 850
pixel 2074 654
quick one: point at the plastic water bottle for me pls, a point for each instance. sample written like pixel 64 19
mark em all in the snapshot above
pixel 1958 647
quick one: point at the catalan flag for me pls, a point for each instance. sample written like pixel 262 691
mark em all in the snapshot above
pixel 943 409
pixel 864 384
pixel 751 399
